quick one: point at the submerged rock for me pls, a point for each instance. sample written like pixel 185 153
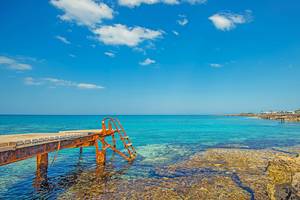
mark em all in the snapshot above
pixel 270 174
pixel 227 174
pixel 214 187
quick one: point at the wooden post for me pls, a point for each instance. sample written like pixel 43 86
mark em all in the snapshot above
pixel 80 150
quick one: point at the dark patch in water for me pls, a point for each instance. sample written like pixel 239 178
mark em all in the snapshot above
pixel 165 173
pixel 240 184
pixel 287 152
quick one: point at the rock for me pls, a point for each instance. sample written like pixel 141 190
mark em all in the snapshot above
pixel 227 174
pixel 296 182
pixel 285 191
pixel 283 178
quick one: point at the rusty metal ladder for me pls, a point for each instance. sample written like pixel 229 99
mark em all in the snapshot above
pixel 115 127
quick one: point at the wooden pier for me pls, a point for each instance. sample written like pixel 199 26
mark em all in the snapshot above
pixel 18 147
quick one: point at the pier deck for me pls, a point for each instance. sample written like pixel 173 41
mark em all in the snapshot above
pixel 14 141
pixel 22 146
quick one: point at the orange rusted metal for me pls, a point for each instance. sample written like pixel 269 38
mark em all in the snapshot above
pixel 41 166
pixel 131 152
pixel 20 150
pixel 13 149
pixel 100 154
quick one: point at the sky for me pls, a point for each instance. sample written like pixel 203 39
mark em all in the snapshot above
pixel 149 56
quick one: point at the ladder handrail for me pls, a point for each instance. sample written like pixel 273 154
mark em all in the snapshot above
pixel 123 130
pixel 122 134
pixel 120 125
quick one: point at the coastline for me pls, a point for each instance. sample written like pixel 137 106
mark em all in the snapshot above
pixel 270 116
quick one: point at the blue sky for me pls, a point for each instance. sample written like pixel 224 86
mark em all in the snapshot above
pixel 149 56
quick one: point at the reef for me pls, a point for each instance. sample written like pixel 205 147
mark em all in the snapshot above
pixel 219 173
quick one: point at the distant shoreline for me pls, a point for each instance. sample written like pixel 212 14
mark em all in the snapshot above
pixel 271 116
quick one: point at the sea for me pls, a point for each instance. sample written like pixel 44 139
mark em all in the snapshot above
pixel 160 140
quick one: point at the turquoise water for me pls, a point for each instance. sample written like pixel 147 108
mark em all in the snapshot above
pixel 159 140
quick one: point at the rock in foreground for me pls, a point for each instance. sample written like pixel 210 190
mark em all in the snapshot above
pixel 227 174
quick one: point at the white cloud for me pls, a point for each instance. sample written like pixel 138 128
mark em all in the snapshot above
pixel 183 21
pixel 216 65
pixel 14 64
pixel 83 12
pixel 196 1
pixel 58 82
pixel 31 81
pixel 88 86
pixel 62 39
pixel 110 54
pixel 226 21
pixel 147 61
pixel 175 33
pixel 135 3
pixel 119 34
pixel 54 82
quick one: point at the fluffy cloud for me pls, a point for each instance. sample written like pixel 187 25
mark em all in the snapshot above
pixel 14 64
pixel 54 82
pixel 63 39
pixel 83 12
pixel 91 13
pixel 147 61
pixel 216 65
pixel 135 3
pixel 119 34
pixel 226 21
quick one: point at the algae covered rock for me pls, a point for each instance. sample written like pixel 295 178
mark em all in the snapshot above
pixel 266 172
pixel 284 178
pixel 227 174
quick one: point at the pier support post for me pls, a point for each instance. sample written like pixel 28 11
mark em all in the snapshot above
pixel 113 140
pixel 100 154
pixel 41 168
pixel 42 164
pixel 81 150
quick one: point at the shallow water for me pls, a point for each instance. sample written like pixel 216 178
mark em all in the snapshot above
pixel 159 140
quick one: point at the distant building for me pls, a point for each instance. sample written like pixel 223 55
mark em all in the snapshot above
pixel 290 112
pixel 280 112
pixel 268 112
